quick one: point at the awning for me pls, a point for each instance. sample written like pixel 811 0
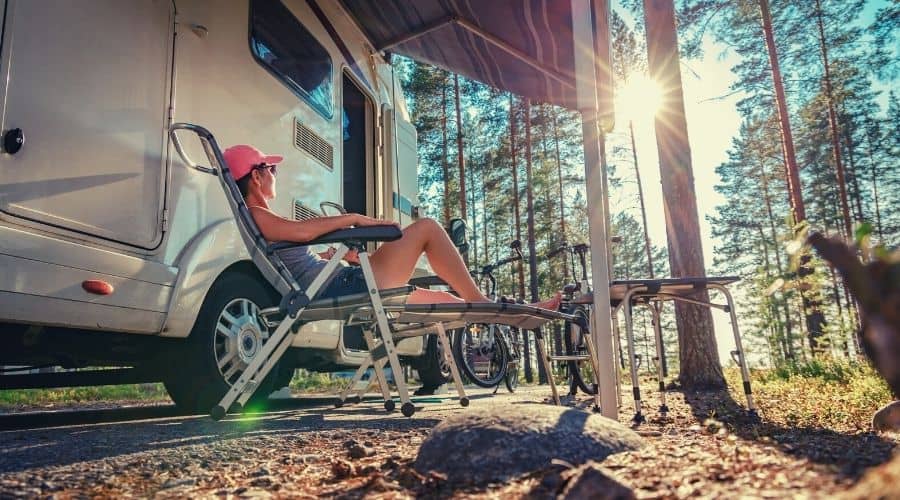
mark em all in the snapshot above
pixel 521 46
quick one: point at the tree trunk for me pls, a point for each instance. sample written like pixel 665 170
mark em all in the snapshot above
pixel 562 204
pixel 833 125
pixel 874 186
pixel 445 163
pixel 529 204
pixel 815 319
pixel 484 212
pixel 699 355
pixel 460 158
pixel 773 234
pixel 529 374
pixel 637 176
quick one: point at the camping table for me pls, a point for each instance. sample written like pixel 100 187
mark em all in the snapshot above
pixel 625 294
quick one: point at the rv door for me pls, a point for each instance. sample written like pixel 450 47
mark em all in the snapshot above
pixel 88 85
pixel 401 165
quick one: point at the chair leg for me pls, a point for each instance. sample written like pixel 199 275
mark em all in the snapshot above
pixel 378 369
pixel 745 372
pixel 660 376
pixel 357 378
pixel 384 331
pixel 542 352
pixel 629 338
pixel 454 370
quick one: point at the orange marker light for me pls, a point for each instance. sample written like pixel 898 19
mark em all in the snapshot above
pixel 97 287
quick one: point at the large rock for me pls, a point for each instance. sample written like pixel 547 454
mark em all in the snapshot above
pixel 493 443
pixel 887 418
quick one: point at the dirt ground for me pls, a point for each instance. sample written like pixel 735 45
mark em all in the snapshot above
pixel 314 450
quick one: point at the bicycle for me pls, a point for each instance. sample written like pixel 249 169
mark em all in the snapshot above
pixel 487 353
pixel 577 300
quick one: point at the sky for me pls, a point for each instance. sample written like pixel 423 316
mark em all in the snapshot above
pixel 712 123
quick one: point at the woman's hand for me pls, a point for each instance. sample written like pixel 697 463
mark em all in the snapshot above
pixel 363 221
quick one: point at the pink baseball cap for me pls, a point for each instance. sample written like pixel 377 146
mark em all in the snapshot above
pixel 242 158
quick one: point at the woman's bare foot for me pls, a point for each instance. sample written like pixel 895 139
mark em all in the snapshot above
pixel 551 303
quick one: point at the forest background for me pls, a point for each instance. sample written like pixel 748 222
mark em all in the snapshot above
pixel 738 161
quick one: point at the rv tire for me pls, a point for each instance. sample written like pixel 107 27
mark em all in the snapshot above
pixel 195 381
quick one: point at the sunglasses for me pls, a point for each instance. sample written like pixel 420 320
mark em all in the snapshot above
pixel 273 169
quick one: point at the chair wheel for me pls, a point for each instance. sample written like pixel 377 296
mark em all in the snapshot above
pixel 217 413
pixel 638 418
pixel 407 409
pixel 664 409
pixel 596 409
pixel 339 403
pixel 464 401
pixel 389 405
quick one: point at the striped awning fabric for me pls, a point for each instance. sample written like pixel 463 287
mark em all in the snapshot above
pixel 521 46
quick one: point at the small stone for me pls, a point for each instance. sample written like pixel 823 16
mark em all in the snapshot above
pixel 262 482
pixel 306 459
pixel 361 451
pixel 174 483
pixel 341 469
pixel 589 481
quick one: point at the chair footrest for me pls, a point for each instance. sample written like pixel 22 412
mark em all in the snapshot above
pixel 576 357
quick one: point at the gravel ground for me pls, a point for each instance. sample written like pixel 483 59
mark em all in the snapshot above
pixel 317 450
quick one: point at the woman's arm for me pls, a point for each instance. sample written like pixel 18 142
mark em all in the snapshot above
pixel 276 228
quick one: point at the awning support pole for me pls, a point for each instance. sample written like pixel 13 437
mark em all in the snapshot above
pixel 586 88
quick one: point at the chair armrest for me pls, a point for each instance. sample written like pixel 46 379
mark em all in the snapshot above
pixel 353 234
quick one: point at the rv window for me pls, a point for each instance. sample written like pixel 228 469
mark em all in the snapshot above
pixel 282 45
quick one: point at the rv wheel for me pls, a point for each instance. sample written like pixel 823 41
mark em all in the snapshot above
pixel 227 335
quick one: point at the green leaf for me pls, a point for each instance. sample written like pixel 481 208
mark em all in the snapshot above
pixel 863 230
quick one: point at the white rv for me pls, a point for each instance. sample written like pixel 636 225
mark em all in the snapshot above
pixel 112 253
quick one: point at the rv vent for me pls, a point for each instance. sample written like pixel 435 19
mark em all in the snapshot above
pixel 302 212
pixel 307 140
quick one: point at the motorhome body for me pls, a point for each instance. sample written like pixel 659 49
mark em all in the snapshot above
pixel 95 193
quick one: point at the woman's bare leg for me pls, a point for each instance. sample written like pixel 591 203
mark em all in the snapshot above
pixel 393 263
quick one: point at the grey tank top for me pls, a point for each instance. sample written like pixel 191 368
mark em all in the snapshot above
pixel 303 264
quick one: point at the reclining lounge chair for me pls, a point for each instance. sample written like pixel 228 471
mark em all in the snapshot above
pixel 383 314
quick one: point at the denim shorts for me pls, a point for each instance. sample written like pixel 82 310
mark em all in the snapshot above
pixel 347 281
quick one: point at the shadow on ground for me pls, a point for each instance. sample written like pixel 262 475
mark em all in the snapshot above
pixel 48 447
pixel 849 453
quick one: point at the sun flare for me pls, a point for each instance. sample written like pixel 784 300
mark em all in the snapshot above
pixel 640 98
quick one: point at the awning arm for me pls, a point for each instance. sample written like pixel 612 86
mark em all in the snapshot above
pixel 424 30
pixel 486 36
pixel 518 54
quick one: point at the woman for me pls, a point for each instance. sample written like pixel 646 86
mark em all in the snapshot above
pixel 392 263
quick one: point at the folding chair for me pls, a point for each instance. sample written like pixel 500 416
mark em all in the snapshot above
pixel 376 310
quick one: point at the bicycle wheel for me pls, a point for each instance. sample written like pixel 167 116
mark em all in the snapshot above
pixel 481 354
pixel 515 354
pixel 581 371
